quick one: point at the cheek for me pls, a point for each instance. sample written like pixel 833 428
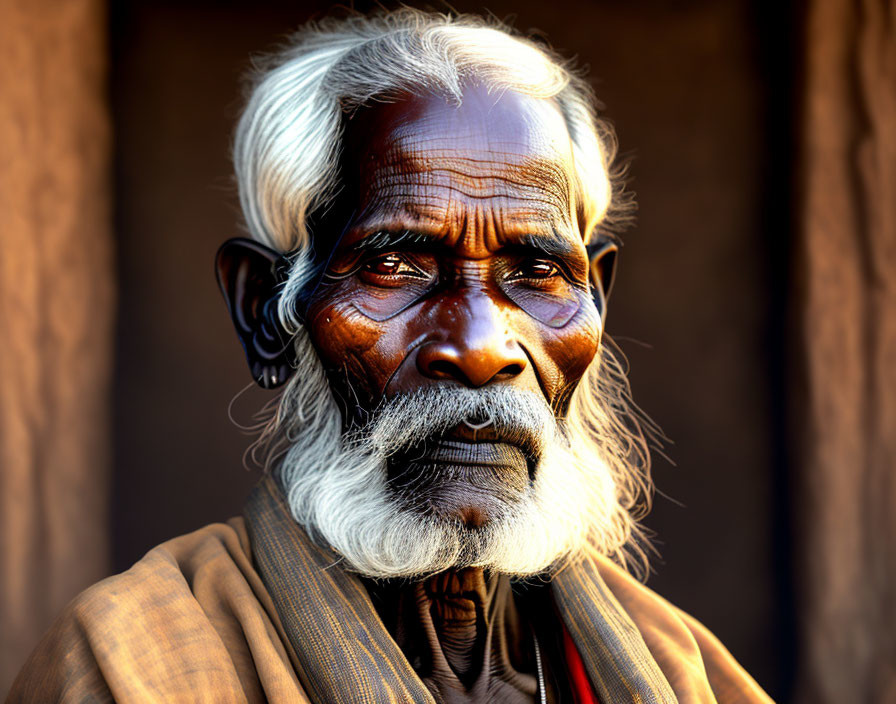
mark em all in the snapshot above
pixel 570 349
pixel 347 340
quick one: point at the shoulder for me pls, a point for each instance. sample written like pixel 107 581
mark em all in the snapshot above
pixel 172 624
pixel 163 580
pixel 158 594
pixel 674 638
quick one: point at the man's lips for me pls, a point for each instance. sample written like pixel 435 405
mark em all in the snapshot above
pixel 520 439
pixel 470 474
pixel 452 451
pixel 465 455
pixel 467 481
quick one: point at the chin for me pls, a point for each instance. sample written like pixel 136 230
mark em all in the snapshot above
pixel 423 518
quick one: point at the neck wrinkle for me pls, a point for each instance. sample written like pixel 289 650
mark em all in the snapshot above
pixel 459 605
pixel 463 634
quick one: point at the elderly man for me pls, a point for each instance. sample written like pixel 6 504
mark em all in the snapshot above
pixel 454 468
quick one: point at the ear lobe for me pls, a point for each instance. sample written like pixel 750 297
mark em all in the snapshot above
pixel 249 276
pixel 602 271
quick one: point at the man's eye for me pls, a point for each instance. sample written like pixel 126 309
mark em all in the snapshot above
pixel 390 265
pixel 536 269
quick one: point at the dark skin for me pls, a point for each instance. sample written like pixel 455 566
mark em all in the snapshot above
pixel 459 259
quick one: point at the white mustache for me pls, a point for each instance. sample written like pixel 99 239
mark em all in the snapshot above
pixel 405 422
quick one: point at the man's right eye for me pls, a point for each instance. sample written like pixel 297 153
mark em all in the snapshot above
pixel 389 265
pixel 396 268
pixel 393 281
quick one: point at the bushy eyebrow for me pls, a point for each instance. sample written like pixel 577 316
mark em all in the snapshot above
pixel 552 245
pixel 388 239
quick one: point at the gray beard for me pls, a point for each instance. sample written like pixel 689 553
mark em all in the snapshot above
pixel 374 495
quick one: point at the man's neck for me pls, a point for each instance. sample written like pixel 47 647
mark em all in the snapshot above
pixel 458 603
pixel 463 633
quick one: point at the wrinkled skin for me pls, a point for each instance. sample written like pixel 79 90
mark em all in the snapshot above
pixel 479 184
pixel 463 263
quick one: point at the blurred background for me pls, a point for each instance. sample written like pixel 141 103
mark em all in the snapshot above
pixel 755 302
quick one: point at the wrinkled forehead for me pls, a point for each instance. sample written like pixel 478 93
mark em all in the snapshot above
pixel 491 145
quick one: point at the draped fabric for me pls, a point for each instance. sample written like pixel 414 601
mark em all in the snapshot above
pixel 617 654
pixel 846 259
pixel 301 577
pixel 56 312
pixel 230 614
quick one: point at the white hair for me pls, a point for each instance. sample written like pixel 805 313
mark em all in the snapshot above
pixel 286 149
pixel 286 157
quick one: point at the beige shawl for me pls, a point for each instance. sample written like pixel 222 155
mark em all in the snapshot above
pixel 253 611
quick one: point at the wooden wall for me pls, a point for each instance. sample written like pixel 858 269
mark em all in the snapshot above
pixel 57 302
pixel 845 355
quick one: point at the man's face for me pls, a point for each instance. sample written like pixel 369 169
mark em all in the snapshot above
pixel 461 264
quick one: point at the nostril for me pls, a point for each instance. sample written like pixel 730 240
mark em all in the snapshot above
pixel 444 369
pixel 510 371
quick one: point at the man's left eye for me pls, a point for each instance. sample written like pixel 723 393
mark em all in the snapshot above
pixel 536 269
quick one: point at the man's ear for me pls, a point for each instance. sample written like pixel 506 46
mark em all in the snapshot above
pixel 249 275
pixel 602 270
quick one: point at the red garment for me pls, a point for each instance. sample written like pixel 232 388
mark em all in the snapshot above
pixel 578 678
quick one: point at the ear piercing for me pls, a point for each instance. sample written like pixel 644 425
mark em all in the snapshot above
pixel 267 379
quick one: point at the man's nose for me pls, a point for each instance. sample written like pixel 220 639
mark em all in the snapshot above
pixel 477 348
